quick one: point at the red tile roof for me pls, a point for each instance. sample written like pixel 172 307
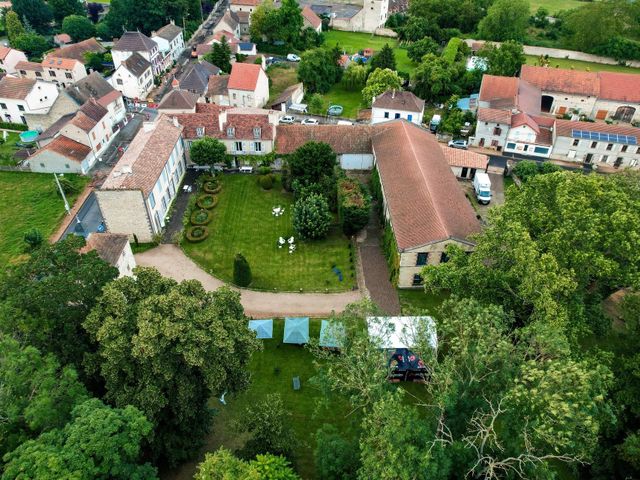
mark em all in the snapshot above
pixel 342 138
pixel 425 202
pixel 4 51
pixel 68 148
pixel 89 115
pixel 202 49
pixel 311 17
pixel 246 3
pixel 494 115
pixel 207 116
pixel 505 93
pixel 62 38
pixel 244 76
pixel 110 97
pixel 623 87
pixel 456 157
pixel 33 66
pixel 243 126
pixel 520 119
pixel 217 85
pixel 16 88
pixel 562 80
pixel 77 50
pixel 59 62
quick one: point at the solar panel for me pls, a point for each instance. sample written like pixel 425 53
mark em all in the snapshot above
pixel 605 137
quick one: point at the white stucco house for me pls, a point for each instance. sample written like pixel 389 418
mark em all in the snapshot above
pixel 248 86
pixel 137 42
pixel 62 155
pixel 133 77
pixel 63 71
pixel 9 57
pixel 170 40
pixel 395 104
pixel 20 96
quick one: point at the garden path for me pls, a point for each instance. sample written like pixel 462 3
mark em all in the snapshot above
pixel 171 262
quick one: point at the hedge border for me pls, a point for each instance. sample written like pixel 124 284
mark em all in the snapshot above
pixel 191 238
pixel 193 220
pixel 200 201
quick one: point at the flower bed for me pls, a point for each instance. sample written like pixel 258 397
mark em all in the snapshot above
pixel 212 187
pixel 197 233
pixel 207 201
pixel 201 217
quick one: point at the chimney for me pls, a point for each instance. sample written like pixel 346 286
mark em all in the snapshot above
pixel 393 93
pixel 175 122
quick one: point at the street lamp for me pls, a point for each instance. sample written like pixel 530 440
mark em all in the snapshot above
pixel 64 197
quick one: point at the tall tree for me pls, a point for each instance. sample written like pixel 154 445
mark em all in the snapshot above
pixel 143 15
pixel 311 216
pixel 222 465
pixel 37 12
pixel 312 167
pixel 208 151
pixel 290 20
pixel 379 82
pixel 505 60
pixel 78 27
pixel 47 298
pixel 336 458
pixel 383 59
pixel 14 25
pixel 37 394
pixel 220 55
pixel 319 69
pixel 505 20
pixel 417 50
pixel 32 44
pixel 355 76
pixel 170 368
pixel 100 442
pixel 64 8
pixel 435 78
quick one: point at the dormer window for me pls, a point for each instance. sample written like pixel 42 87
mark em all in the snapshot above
pixel 200 131
pixel 231 132
pixel 257 132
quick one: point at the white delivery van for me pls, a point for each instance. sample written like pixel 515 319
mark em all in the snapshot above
pixel 482 187
pixel 434 123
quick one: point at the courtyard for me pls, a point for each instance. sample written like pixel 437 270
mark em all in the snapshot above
pixel 243 222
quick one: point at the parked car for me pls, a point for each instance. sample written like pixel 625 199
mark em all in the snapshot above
pixel 288 119
pixel 335 110
pixel 458 144
pixel 292 57
pixel 309 121
pixel 274 60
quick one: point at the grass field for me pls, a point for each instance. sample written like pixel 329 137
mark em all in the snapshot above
pixel 420 300
pixel 243 222
pixel 291 360
pixel 29 200
pixel 8 149
pixel 554 6
pixel 586 66
pixel 349 99
pixel 280 77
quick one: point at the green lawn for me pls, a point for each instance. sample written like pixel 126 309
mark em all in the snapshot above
pixel 586 66
pixel 420 300
pixel 306 418
pixel 349 99
pixel 29 200
pixel 554 6
pixel 280 77
pixel 243 222
pixel 8 149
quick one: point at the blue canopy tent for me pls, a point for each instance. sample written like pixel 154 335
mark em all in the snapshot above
pixel 331 334
pixel 263 328
pixel 296 330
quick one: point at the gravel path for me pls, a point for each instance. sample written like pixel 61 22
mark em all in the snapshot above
pixel 171 262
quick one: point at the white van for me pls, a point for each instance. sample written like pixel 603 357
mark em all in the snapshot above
pixel 482 187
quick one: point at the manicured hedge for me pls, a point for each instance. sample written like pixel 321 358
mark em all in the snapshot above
pixel 197 233
pixel 354 204
pixel 212 187
pixel 201 217
pixel 207 201
pixel 14 126
pixel 450 52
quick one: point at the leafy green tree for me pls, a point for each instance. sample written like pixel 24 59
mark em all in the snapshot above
pixel 539 19
pixel 220 55
pixel 95 61
pixel 313 163
pixel 419 49
pixel 273 467
pixel 78 27
pixel 505 20
pixel 208 151
pixel 261 21
pixel 33 238
pixel 32 44
pixel 311 217
pixel 505 60
pixel 435 78
pixel 380 81
pixel 336 458
pixel 451 14
pixel 453 118
pixel 355 76
pixel 223 465
pixel 47 298
pixel 315 103
pixel 319 69
pixel 14 26
pixel 269 424
pixel 143 15
pixel 169 369
pixel 290 20
pixel 100 442
pixel 529 168
pixel 241 271
pixel 383 59
pixel 64 8
pixel 37 393
pixel 37 12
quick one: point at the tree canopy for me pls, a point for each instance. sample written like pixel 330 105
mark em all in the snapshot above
pixel 505 20
pixel 383 59
pixel 37 12
pixel 505 60
pixel 170 368
pixel 379 81
pixel 64 8
pixel 220 55
pixel 208 151
pixel 78 27
pixel 319 69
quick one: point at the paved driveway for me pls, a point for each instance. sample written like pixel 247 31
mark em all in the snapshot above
pixel 171 262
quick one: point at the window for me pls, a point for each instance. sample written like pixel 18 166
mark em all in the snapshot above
pixel 594 144
pixel 21 108
pixel 3 106
pixel 200 131
pixel 610 146
pixel 68 75
pixel 52 73
pixel 410 117
pixel 119 81
pixel 42 164
pixel 38 74
pixel 93 135
pixel 422 259
pixel 541 150
pixel 234 96
pixel 497 131
pixel 23 72
pixel 397 115
pixel 66 165
pixel 417 280
pixel 576 142
pixel 152 200
pixel 257 132
pixel 23 120
pixel 638 150
pixel 386 114
pixel 230 132
pixel 624 148
pixel 604 158
pixel 238 146
pixel 444 258
pixel 257 146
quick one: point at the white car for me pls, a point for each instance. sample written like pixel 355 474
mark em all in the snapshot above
pixel 458 144
pixel 288 119
pixel 292 57
pixel 309 121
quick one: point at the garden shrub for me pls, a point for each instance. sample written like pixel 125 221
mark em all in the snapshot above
pixel 390 250
pixel 266 181
pixel 241 271
pixel 197 233
pixel 311 216
pixel 212 186
pixel 527 169
pixel 14 126
pixel 353 206
pixel 201 217
pixel 450 52
pixel 207 201
pixel 68 187
pixel 33 238
pixel 264 170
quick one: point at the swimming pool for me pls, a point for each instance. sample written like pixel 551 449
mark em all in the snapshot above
pixel 29 136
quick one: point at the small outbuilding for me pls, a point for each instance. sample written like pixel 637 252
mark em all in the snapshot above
pixel 263 328
pixel 296 330
pixel 331 334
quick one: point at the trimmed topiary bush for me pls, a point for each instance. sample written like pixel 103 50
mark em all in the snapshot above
pixel 197 233
pixel 212 187
pixel 311 217
pixel 266 181
pixel 207 201
pixel 241 271
pixel 201 217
